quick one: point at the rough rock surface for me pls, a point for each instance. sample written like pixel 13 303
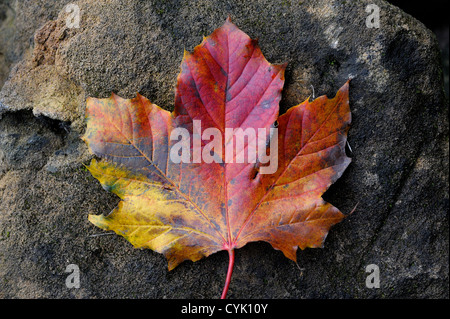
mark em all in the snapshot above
pixel 399 145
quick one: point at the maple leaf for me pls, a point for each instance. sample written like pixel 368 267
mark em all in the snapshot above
pixel 191 208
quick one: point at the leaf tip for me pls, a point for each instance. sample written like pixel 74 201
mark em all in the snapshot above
pixel 90 102
pixel 347 84
pixel 96 220
pixel 352 211
pixel 282 68
pixel 139 97
pixel 186 54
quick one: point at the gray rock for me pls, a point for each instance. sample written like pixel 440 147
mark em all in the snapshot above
pixel 399 145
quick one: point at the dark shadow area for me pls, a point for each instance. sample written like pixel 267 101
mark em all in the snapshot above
pixel 434 15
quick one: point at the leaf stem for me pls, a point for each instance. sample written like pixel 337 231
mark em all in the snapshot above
pixel 229 273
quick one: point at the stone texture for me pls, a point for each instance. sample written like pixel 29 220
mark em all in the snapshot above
pixel 399 145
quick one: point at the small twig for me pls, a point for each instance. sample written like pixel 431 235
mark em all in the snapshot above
pixel 102 234
pixel 354 208
pixel 348 144
pixel 299 268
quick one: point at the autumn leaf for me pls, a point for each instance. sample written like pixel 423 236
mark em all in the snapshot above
pixel 193 193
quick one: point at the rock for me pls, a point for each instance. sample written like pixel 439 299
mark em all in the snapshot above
pixel 399 144
pixel 36 83
pixel 19 21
